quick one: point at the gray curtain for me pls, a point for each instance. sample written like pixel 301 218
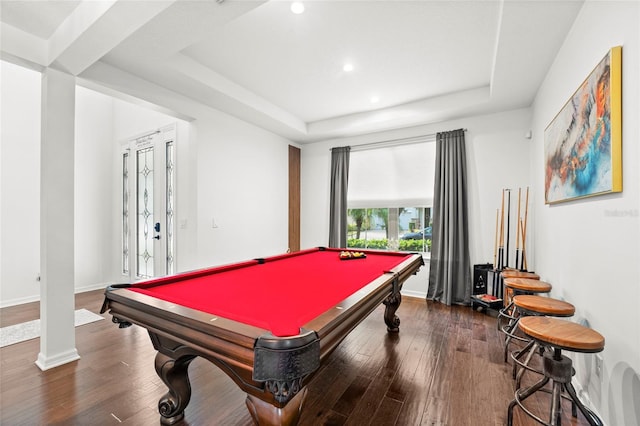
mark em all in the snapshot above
pixel 338 200
pixel 450 267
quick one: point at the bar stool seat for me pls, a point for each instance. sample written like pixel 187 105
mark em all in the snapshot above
pixel 560 335
pixel 539 305
pixel 514 273
pixel 532 305
pixel 529 285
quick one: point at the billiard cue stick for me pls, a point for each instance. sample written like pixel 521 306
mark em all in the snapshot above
pixel 518 229
pixel 508 219
pixel 496 275
pixel 523 265
pixel 495 243
pixel 501 248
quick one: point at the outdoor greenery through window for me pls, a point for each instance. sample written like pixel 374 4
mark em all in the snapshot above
pixel 393 228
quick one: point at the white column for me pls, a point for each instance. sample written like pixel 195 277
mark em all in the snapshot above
pixel 57 304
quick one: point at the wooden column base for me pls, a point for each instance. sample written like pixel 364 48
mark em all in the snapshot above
pixel 265 414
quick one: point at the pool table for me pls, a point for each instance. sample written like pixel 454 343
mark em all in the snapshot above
pixel 267 323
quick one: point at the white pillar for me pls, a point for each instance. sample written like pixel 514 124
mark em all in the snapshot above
pixel 57 304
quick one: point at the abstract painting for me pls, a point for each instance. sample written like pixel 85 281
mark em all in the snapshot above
pixel 583 143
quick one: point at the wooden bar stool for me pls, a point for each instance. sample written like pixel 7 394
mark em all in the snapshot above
pixel 509 313
pixel 559 335
pixel 533 305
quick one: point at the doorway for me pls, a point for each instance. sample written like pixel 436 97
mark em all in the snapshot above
pixel 148 200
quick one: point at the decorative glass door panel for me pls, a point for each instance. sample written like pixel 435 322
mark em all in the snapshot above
pixel 145 208
pixel 170 169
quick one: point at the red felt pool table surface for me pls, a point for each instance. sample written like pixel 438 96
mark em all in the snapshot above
pixel 279 295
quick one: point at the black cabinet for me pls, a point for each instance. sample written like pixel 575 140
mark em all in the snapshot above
pixel 484 293
pixel 480 273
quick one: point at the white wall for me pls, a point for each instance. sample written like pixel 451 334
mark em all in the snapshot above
pixel 242 188
pixel 93 187
pixel 589 249
pixel 19 184
pixel 497 152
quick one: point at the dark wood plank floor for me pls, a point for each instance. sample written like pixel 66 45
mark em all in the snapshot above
pixel 445 367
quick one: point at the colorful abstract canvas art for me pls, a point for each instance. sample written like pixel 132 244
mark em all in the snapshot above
pixel 583 143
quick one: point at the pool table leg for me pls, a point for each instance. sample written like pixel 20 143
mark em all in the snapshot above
pixel 265 414
pixel 174 374
pixel 391 306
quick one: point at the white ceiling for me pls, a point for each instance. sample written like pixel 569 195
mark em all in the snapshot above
pixel 426 61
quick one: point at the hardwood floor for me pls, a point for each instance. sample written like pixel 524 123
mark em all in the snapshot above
pixel 445 367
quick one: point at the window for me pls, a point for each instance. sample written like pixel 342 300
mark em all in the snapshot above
pixel 390 196
pixel 392 228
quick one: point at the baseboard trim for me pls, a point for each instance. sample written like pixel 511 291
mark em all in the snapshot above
pixel 411 293
pixel 36 298
pixel 19 301
pixel 93 287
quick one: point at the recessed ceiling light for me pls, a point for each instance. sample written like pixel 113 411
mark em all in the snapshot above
pixel 374 99
pixel 297 7
pixel 347 67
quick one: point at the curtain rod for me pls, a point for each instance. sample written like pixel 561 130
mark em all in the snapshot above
pixel 431 137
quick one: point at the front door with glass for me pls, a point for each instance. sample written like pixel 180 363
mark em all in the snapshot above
pixel 148 195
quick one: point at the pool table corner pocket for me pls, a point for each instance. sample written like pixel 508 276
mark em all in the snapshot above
pixel 282 363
